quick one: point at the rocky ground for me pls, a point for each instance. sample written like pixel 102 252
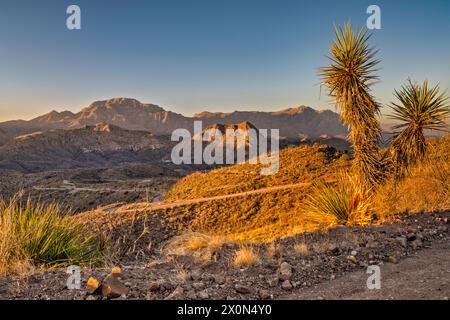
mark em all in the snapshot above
pixel 413 254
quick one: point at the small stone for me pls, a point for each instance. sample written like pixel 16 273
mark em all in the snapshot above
pixel 286 285
pixel 196 275
pixel 352 259
pixel 416 244
pixel 176 294
pixel 116 270
pixel 219 279
pixel 334 249
pixel 151 296
pixel 392 259
pixel 411 237
pixel 402 241
pixel 91 298
pixel 198 285
pixel 264 294
pixel 354 253
pixel 92 285
pixel 273 281
pixel 371 244
pixel 154 286
pixel 192 295
pixel 285 271
pixel 112 287
pixel 204 295
pixel 242 289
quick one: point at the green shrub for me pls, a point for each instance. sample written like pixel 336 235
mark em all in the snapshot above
pixel 38 235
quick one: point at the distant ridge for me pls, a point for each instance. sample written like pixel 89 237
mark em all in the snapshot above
pixel 89 146
pixel 131 114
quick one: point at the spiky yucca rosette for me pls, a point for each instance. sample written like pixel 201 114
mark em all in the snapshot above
pixel 420 108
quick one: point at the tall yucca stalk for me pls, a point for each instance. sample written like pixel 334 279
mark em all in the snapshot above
pixel 420 107
pixel 348 79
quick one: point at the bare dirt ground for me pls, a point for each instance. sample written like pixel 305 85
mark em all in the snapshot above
pixel 413 255
pixel 423 275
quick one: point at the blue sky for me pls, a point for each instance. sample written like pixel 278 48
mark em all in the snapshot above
pixel 195 55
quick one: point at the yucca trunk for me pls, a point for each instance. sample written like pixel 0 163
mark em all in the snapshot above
pixel 348 79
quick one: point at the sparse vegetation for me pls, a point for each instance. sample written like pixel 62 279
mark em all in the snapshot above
pixel 40 235
pixel 301 249
pixel 245 256
pixel 274 251
pixel 194 244
pixel 425 189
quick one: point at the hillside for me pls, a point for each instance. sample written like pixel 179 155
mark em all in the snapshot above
pixel 3 137
pixel 89 146
pixel 236 203
pixel 131 114
pixel 297 165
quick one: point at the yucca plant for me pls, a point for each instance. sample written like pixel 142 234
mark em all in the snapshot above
pixel 420 107
pixel 346 201
pixel 39 235
pixel 348 79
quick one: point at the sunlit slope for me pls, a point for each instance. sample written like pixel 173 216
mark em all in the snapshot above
pixel 297 165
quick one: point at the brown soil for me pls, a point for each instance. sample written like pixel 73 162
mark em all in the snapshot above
pixel 418 243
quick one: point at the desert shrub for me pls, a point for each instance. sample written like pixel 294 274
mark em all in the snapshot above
pixel 301 249
pixel 194 244
pixel 274 251
pixel 32 234
pixel 345 201
pixel 245 256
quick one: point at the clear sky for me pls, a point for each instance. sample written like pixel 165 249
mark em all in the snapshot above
pixel 194 55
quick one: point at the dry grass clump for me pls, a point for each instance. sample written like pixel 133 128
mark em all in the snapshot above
pixel 245 256
pixel 301 249
pixel 274 251
pixel 344 201
pixel 39 235
pixel 194 244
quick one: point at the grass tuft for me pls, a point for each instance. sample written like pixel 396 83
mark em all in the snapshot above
pixel 301 249
pixel 245 256
pixel 34 235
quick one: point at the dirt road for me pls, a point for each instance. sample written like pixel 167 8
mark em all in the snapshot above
pixel 175 204
pixel 425 275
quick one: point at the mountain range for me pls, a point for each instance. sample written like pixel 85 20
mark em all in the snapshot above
pixel 130 114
